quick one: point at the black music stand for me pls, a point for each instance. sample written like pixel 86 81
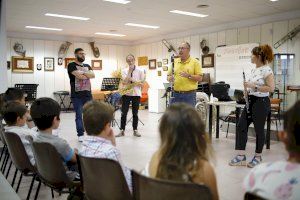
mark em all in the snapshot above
pixel 111 84
pixel 30 90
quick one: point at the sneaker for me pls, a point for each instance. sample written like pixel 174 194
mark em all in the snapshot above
pixel 136 133
pixel 239 160
pixel 121 134
pixel 80 138
pixel 255 161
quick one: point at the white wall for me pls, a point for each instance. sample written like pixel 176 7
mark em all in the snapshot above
pixel 3 77
pixel 264 34
pixel 112 56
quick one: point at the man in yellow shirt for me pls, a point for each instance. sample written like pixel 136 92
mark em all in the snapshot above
pixel 187 74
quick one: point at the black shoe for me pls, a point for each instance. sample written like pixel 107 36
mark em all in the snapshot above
pixel 136 133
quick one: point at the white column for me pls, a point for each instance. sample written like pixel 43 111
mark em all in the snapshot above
pixel 3 47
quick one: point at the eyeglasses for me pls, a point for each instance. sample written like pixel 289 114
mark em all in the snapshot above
pixel 181 48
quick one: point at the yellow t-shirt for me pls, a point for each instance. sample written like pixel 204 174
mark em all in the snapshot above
pixel 191 66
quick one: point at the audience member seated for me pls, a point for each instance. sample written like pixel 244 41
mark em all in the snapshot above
pixel 15 116
pixel 45 113
pixel 100 139
pixel 183 154
pixel 17 95
pixel 281 179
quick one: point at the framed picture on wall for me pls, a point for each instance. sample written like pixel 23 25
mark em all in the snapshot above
pixel 165 61
pixel 165 68
pixel 208 60
pixel 143 60
pixel 49 64
pixel 152 64
pixel 159 64
pixel 97 64
pixel 69 60
pixel 60 61
pixel 22 64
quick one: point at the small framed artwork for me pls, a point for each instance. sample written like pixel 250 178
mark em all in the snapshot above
pixel 143 60
pixel 165 61
pixel 22 64
pixel 8 64
pixel 39 67
pixel 152 64
pixel 97 64
pixel 159 73
pixel 60 61
pixel 165 68
pixel 49 64
pixel 208 60
pixel 159 64
pixel 69 60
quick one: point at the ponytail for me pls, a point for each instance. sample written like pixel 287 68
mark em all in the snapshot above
pixel 265 52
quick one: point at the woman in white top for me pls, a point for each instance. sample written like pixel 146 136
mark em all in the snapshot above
pixel 259 86
pixel 183 152
pixel 280 180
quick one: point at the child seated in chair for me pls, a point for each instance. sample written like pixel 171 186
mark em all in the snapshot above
pixel 281 179
pixel 45 113
pixel 17 95
pixel 100 140
pixel 15 115
pixel 183 155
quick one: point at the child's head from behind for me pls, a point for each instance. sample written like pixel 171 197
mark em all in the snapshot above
pixel 183 141
pixel 45 113
pixel 97 117
pixel 291 134
pixel 14 114
pixel 14 94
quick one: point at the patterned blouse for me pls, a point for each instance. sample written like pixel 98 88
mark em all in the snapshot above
pixel 258 77
pixel 276 181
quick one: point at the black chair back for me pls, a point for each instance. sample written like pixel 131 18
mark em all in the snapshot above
pixel 103 179
pixel 145 188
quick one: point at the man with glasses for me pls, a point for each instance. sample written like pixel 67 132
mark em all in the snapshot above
pixel 80 75
pixel 187 74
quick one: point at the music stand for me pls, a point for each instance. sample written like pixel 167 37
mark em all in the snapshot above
pixel 111 84
pixel 29 89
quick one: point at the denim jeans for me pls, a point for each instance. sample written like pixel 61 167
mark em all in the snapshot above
pixel 78 103
pixel 189 98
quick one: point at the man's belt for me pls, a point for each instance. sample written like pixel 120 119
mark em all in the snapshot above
pixel 185 92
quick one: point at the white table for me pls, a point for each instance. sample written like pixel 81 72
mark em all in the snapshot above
pixel 238 108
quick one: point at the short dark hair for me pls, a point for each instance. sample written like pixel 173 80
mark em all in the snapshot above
pixel 291 125
pixel 13 94
pixel 77 50
pixel 43 111
pixel 11 111
pixel 95 116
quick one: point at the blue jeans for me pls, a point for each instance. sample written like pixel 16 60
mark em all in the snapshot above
pixel 189 98
pixel 78 103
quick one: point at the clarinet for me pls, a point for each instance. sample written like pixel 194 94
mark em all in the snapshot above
pixel 246 94
pixel 172 72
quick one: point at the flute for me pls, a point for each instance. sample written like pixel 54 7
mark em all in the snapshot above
pixel 246 93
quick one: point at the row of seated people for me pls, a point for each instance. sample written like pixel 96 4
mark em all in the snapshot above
pixel 184 154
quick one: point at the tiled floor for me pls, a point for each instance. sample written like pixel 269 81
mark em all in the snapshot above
pixel 136 152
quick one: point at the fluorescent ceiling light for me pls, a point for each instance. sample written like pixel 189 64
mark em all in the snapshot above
pixel 273 0
pixel 44 28
pixel 188 13
pixel 110 34
pixel 142 25
pixel 67 16
pixel 118 1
